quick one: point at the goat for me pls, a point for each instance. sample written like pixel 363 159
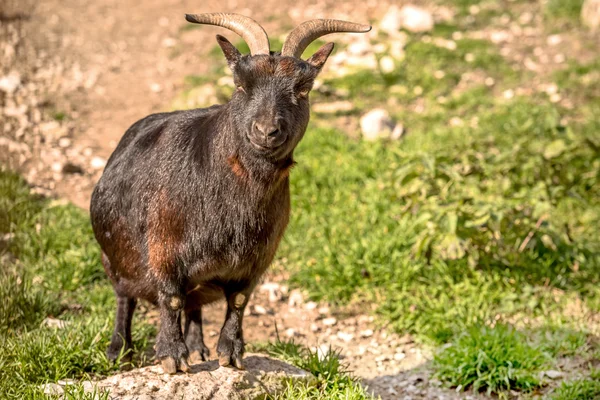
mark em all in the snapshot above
pixel 192 204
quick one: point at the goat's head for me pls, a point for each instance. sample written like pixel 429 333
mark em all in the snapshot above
pixel 270 105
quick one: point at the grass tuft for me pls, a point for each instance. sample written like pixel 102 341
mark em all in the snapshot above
pixel 495 359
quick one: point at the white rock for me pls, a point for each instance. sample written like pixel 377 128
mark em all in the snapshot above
pixel 416 19
pixel 398 132
pixel 366 333
pixel 296 298
pixel 53 389
pixel 553 374
pixel 64 142
pixel 399 356
pixel 260 310
pixel 55 323
pixel 290 332
pixel 311 305
pixel 387 64
pixel 274 291
pixel 97 162
pixel 330 321
pixel 391 21
pixel 10 82
pixel 375 124
pixel 346 337
pixel 323 310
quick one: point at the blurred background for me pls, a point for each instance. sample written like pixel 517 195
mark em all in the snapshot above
pixel 445 231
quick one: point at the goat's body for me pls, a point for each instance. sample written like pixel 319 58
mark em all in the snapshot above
pixel 177 205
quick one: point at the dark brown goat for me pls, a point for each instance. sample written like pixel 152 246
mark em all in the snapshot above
pixel 192 204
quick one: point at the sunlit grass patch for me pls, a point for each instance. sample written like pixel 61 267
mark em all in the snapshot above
pixel 333 381
pixel 579 389
pixel 493 360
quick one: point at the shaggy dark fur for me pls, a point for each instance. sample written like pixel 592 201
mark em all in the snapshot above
pixel 192 204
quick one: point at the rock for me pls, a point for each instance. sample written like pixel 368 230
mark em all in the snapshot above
pixel 55 323
pixel 553 374
pixel 259 310
pixel 391 21
pixel 387 64
pixel 311 305
pixel 10 83
pixel 366 333
pixel 64 142
pixel 97 163
pixel 296 298
pixel 274 290
pixel 330 321
pixel 345 336
pixel 264 376
pixel 590 14
pixel 376 124
pixel 416 19
pixel 53 389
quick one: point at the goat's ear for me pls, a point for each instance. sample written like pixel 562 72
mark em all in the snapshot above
pixel 318 59
pixel 231 53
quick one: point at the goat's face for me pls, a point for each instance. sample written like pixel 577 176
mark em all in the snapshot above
pixel 270 105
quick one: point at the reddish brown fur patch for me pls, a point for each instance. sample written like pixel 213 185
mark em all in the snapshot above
pixel 264 65
pixel 237 167
pixel 165 233
pixel 286 67
pixel 285 171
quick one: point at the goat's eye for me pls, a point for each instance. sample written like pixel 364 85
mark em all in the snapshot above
pixel 302 94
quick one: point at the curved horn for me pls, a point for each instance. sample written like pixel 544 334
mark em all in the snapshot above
pixel 246 27
pixel 305 33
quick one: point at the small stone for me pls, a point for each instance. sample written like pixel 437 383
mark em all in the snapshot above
pixel 97 162
pixel 53 389
pixel 398 132
pixel 346 337
pixel 552 374
pixel 323 310
pixel 169 42
pixel 55 323
pixel 296 298
pixel 375 124
pixel 10 83
pixel 508 94
pixel 399 356
pixel 314 327
pixel 391 21
pixel 290 332
pixel 260 310
pixel 387 64
pixel 330 321
pixel 64 142
pixel 156 87
pixel 366 333
pixel 311 305
pixel 554 40
pixel 416 19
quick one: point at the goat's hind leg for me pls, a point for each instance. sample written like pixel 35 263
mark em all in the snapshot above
pixel 194 339
pixel 121 342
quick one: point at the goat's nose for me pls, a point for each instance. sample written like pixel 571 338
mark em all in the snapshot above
pixel 267 128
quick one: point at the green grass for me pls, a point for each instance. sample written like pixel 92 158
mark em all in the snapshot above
pixel 333 381
pixel 580 389
pixel 51 269
pixel 494 359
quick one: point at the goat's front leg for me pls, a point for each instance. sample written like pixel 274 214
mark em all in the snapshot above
pixel 170 346
pixel 230 347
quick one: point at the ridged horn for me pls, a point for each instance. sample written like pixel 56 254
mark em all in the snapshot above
pixel 246 27
pixel 305 33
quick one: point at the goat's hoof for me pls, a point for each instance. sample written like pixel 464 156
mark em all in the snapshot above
pixel 226 361
pixel 169 365
pixel 197 356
